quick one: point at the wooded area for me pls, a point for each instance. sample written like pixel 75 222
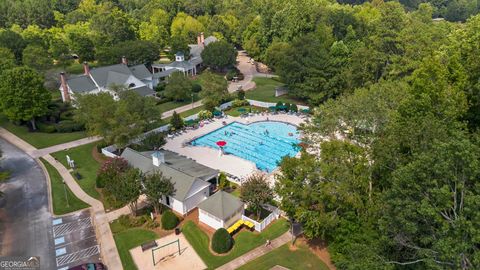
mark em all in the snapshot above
pixel 390 175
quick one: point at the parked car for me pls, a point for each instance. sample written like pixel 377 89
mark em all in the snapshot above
pixel 89 266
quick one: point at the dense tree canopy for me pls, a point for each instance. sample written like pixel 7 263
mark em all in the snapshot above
pixel 219 55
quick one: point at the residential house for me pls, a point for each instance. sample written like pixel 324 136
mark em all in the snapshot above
pixel 193 182
pixel 137 78
pixel 188 67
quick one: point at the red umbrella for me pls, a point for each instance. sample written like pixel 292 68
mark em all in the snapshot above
pixel 221 143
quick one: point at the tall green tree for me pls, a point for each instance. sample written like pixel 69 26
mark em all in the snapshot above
pixel 256 192
pixel 7 59
pixel 179 87
pixel 214 90
pixel 156 187
pixel 219 55
pixel 126 188
pixel 136 52
pixel 37 58
pixel 22 95
pixel 14 42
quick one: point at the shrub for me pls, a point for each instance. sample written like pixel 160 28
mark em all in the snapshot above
pixel 202 115
pixel 222 241
pixel 100 145
pixel 293 107
pixel 222 181
pixel 42 127
pixel 153 140
pixel 230 75
pixel 279 104
pixel 169 220
pixel 241 94
pixel 196 88
pixel 176 122
pixel 68 126
pixel 67 115
pixel 239 103
pixel 287 106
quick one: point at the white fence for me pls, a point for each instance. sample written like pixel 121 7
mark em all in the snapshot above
pixel 260 226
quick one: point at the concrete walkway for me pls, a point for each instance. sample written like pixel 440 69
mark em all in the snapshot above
pixel 248 70
pixel 52 149
pixel 258 252
pixel 108 248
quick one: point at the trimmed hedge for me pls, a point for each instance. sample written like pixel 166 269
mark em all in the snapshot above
pixel 169 220
pixel 68 126
pixel 222 241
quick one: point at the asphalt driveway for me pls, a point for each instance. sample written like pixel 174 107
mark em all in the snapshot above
pixel 25 221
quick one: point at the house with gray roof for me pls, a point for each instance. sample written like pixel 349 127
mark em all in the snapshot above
pixel 137 78
pixel 190 66
pixel 193 182
pixel 221 210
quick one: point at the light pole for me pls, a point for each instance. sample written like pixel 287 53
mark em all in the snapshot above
pixel 65 191
pixel 192 100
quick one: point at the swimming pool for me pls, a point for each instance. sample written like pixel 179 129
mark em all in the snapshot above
pixel 264 143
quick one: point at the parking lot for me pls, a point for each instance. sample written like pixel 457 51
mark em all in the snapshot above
pixel 75 241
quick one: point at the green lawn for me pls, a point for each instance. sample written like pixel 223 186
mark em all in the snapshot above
pixel 301 258
pixel 40 139
pixel 59 201
pixel 265 91
pixel 77 68
pixel 167 106
pixel 244 242
pixel 186 113
pixel 86 165
pixel 129 239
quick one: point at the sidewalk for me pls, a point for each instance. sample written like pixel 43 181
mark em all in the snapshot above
pixel 108 248
pixel 258 252
pixel 181 109
pixel 52 149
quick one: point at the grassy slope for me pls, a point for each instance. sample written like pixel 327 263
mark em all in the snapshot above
pixel 129 239
pixel 39 139
pixel 265 91
pixel 301 258
pixel 59 201
pixel 244 242
pixel 85 164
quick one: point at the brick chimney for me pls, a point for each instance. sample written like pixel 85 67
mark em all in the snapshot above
pixel 202 39
pixel 63 82
pixel 124 60
pixel 199 40
pixel 86 68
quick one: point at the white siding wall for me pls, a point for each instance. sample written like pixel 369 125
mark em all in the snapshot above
pixel 175 205
pixel 192 201
pixel 209 219
pixel 233 219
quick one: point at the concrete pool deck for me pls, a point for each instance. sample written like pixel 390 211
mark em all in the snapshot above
pixel 211 157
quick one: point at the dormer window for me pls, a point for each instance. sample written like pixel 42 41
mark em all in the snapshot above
pixel 179 57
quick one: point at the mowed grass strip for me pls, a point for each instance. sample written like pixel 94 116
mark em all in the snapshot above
pixel 244 241
pixel 60 192
pixel 297 258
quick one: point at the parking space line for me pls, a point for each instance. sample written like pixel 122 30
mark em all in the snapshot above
pixel 60 251
pixel 72 257
pixel 72 226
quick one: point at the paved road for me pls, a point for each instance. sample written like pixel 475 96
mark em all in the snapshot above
pixel 25 222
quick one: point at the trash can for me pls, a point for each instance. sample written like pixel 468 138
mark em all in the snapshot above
pixel 177 231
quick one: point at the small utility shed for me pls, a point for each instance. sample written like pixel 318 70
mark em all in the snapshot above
pixel 220 210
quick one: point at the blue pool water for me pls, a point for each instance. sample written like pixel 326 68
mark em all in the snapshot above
pixel 264 143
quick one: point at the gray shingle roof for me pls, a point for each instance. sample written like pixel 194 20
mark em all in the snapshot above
pixel 184 172
pixel 164 73
pixel 116 78
pixel 144 91
pixel 222 205
pixel 81 84
pixel 181 64
pixel 141 72
pixel 101 75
